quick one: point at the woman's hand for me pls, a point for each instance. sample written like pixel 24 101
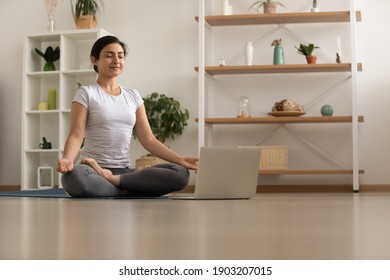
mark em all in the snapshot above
pixel 190 163
pixel 64 165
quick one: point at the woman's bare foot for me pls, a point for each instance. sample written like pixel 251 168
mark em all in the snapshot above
pixel 107 174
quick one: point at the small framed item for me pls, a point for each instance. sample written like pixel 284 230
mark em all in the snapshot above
pixel 45 177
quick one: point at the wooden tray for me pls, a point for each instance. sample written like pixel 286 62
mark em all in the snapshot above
pixel 286 114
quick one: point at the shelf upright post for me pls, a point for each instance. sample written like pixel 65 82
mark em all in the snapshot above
pixel 354 72
pixel 201 74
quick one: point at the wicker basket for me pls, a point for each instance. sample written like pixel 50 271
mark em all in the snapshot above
pixel 147 161
pixel 272 157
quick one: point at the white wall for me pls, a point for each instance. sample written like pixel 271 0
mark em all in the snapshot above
pixel 162 36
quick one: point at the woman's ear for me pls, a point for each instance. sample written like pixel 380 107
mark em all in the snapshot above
pixel 93 60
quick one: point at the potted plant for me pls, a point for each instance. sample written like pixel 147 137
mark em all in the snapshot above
pixel 269 6
pixel 167 120
pixel 49 56
pixel 315 9
pixel 307 51
pixel 85 12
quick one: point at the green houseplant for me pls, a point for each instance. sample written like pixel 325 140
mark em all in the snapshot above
pixel 50 56
pixel 85 12
pixel 166 118
pixel 307 51
pixel 269 6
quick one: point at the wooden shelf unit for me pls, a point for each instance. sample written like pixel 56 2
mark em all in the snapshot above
pixel 280 18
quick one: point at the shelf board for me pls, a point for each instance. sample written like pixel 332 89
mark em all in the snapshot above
pixel 281 69
pixel 308 172
pixel 271 120
pixel 44 74
pixel 42 150
pixel 280 18
pixel 40 112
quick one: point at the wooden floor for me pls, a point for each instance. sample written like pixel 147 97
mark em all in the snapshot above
pixel 271 226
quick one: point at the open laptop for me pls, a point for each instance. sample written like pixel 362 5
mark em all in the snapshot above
pixel 226 173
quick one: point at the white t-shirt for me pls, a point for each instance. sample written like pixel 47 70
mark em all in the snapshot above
pixel 110 124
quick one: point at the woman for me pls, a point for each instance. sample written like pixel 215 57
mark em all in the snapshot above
pixel 105 113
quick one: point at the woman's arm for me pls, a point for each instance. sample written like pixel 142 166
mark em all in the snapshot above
pixel 73 143
pixel 154 146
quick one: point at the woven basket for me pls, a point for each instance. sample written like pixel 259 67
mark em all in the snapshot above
pixel 147 161
pixel 272 157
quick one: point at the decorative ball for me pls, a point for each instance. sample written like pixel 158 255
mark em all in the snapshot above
pixel 327 110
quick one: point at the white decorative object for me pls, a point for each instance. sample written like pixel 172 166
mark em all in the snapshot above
pixel 225 7
pixel 45 177
pixel 243 107
pixel 51 6
pixel 248 53
pixel 222 61
pixel 315 8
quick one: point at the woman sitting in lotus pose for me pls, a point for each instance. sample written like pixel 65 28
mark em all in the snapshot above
pixel 105 113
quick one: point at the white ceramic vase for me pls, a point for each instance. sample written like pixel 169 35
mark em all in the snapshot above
pixel 248 53
pixel 225 7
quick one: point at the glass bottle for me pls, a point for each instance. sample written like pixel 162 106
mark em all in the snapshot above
pixel 50 23
pixel 222 61
pixel 243 107
pixel 278 55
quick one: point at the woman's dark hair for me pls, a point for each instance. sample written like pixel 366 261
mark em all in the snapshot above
pixel 101 43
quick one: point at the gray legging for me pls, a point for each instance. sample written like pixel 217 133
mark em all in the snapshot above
pixel 83 181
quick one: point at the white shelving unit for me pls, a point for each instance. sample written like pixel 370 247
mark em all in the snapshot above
pixel 72 68
pixel 206 121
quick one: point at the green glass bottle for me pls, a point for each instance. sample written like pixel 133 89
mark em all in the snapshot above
pixel 278 55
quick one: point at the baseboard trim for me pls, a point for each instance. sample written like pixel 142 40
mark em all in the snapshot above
pixel 10 188
pixel 321 188
pixel 282 188
pixel 310 188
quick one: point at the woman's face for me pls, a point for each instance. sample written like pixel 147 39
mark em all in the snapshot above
pixel 111 60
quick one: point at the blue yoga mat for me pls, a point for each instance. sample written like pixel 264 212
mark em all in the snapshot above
pixel 60 193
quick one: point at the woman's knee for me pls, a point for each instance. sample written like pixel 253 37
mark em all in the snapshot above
pixel 75 182
pixel 83 181
pixel 182 177
pixel 176 179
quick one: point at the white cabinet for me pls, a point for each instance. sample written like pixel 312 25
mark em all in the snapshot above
pixel 324 23
pixel 72 68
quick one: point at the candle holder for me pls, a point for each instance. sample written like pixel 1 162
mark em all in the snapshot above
pixel 52 99
pixel 243 107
